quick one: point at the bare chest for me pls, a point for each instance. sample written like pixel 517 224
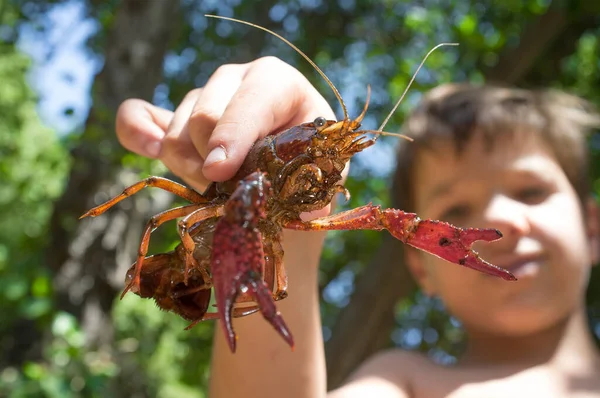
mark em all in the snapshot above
pixel 451 383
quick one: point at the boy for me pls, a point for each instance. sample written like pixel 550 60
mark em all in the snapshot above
pixel 482 157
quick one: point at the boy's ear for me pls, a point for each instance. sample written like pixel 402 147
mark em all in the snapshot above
pixel 416 264
pixel 593 229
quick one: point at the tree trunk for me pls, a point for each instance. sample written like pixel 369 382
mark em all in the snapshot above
pixel 89 257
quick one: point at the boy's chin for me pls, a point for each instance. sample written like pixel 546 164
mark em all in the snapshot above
pixel 522 320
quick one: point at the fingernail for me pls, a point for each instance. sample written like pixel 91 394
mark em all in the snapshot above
pixel 153 149
pixel 217 155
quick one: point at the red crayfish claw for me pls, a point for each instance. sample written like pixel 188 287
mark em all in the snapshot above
pixel 439 238
pixel 228 288
pixel 238 258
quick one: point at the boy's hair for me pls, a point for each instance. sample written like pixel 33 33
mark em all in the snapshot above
pixel 456 112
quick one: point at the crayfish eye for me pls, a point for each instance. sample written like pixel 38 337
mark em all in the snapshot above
pixel 320 122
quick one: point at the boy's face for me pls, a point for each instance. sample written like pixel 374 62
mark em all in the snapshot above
pixel 520 189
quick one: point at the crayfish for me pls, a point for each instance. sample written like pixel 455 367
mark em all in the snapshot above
pixel 231 234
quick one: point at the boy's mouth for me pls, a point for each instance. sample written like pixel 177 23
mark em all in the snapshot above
pixel 523 265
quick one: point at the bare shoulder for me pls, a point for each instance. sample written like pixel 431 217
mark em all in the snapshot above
pixel 389 373
pixel 391 361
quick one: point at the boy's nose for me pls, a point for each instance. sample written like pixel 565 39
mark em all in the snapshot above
pixel 507 215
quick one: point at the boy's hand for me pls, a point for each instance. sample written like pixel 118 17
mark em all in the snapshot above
pixel 210 133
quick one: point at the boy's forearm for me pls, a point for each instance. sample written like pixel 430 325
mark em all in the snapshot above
pixel 264 364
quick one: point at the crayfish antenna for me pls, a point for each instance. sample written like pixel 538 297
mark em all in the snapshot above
pixel 390 134
pixel 364 111
pixel 411 82
pixel 335 90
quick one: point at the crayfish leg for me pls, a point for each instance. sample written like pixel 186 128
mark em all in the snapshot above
pixel 236 313
pixel 439 238
pixel 157 182
pixel 201 213
pixel 151 225
pixel 304 177
pixel 275 275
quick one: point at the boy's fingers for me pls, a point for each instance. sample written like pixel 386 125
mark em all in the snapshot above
pixel 141 126
pixel 209 107
pixel 178 152
pixel 210 133
pixel 271 95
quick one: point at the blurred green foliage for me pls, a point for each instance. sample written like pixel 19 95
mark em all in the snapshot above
pixel 357 43
pixel 33 165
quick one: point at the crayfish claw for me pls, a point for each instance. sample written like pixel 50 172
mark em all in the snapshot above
pixel 252 284
pixel 226 320
pixel 238 257
pixel 454 244
pixel 439 238
pixel 470 235
pixel 269 310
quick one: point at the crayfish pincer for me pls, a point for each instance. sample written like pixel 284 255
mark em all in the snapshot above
pixel 238 257
pixel 231 234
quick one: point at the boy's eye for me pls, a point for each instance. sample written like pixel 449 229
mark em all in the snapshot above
pixel 532 195
pixel 456 214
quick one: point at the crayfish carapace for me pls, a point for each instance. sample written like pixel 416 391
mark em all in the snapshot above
pixel 231 233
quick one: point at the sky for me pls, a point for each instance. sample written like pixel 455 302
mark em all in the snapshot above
pixel 63 69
